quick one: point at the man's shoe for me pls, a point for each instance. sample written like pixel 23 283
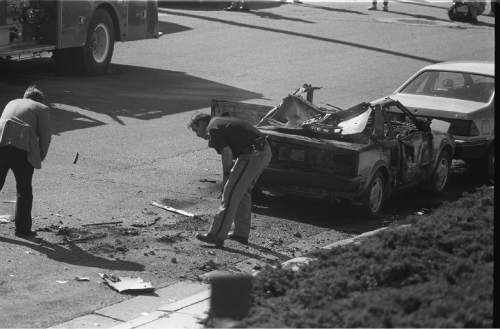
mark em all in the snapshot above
pixel 373 8
pixel 208 238
pixel 238 238
pixel 29 234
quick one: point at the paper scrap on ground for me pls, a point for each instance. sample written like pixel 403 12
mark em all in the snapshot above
pixel 126 284
pixel 5 219
pixel 172 209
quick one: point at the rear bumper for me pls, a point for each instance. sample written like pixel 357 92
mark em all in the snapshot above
pixel 471 150
pixel 311 184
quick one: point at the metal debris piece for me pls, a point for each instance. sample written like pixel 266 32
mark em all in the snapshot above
pixel 126 284
pixel 61 281
pixel 5 219
pixel 9 201
pixel 85 238
pixel 78 278
pixel 172 209
pixel 76 158
pixel 146 224
pixel 204 180
pixel 103 223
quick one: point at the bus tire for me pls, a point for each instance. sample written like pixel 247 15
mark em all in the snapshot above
pixel 98 50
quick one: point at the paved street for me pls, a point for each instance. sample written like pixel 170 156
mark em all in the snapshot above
pixel 129 129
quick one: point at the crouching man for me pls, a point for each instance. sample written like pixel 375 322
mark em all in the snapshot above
pixel 245 153
pixel 24 143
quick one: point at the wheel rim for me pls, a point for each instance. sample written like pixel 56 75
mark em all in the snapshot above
pixel 441 173
pixel 100 43
pixel 376 194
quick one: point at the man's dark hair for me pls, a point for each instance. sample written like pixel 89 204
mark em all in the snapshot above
pixel 33 93
pixel 200 117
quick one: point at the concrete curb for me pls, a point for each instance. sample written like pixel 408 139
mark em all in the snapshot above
pixel 185 312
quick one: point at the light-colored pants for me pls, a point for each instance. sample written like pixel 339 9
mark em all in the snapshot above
pixel 236 203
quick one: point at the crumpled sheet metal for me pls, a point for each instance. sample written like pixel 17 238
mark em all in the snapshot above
pixel 127 284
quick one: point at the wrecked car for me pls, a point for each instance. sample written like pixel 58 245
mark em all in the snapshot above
pixel 361 154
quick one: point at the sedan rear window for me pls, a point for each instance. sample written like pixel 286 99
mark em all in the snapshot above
pixel 458 85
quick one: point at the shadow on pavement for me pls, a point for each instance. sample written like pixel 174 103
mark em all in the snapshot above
pixel 125 91
pixel 73 255
pixel 216 5
pixel 269 15
pixel 170 28
pixel 308 36
pixel 349 219
pixel 338 10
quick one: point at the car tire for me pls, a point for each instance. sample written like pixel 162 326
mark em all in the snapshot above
pixel 373 197
pixel 441 173
pixel 96 55
pixel 490 163
pixel 484 167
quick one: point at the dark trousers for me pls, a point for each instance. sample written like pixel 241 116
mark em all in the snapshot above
pixel 17 160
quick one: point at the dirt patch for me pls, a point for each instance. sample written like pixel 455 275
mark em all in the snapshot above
pixel 436 273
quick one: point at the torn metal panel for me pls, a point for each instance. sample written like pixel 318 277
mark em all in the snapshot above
pixel 126 284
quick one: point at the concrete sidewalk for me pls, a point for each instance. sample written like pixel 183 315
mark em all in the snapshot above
pixel 181 305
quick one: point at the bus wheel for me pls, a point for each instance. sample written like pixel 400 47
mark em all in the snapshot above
pixel 98 50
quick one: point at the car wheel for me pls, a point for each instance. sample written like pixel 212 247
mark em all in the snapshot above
pixel 98 49
pixel 439 177
pixel 373 198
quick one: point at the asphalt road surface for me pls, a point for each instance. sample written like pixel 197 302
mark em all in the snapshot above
pixel 129 129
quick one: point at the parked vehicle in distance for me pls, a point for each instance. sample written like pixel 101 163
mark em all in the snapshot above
pixel 462 93
pixel 361 154
pixel 80 34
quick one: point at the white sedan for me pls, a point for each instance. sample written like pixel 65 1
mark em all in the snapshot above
pixel 462 93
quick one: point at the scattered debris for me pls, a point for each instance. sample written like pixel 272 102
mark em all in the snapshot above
pixel 423 211
pixel 79 278
pixel 103 223
pixel 5 219
pixel 172 238
pixel 147 224
pixel 126 284
pixel 29 252
pixel 129 231
pixel 209 266
pixel 92 236
pixel 296 263
pixel 172 209
pixel 76 158
pixel 204 180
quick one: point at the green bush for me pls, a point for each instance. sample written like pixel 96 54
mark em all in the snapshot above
pixel 437 272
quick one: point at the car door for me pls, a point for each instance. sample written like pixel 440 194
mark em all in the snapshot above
pixel 414 141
